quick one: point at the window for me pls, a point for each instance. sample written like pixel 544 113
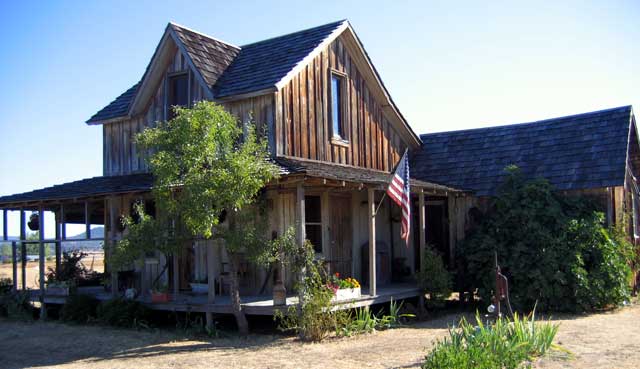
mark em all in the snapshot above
pixel 313 221
pixel 337 108
pixel 177 92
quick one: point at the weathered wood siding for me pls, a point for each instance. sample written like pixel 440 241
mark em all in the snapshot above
pixel 303 125
pixel 121 154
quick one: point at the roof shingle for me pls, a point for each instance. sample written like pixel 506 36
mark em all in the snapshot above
pixel 573 152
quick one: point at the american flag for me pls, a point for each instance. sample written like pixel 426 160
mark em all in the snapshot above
pixel 398 191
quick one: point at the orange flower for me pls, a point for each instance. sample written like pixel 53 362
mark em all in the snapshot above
pixel 337 275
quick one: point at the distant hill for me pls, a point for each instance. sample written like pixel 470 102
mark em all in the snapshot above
pixel 97 232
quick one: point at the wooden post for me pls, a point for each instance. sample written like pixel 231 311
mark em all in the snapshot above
pixel 451 205
pixel 58 243
pixel 300 233
pixel 23 249
pixel 372 242
pixel 355 235
pixel 14 263
pixel 422 226
pixel 4 225
pixel 176 275
pixel 211 280
pixel 43 308
pixel 110 239
pixel 279 290
pixel 87 220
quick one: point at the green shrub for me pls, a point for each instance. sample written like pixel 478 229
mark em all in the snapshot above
pixel 508 343
pixel 434 279
pixel 79 309
pixel 123 313
pixel 363 320
pixel 554 250
pixel 16 306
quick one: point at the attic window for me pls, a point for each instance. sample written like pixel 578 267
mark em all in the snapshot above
pixel 177 92
pixel 337 105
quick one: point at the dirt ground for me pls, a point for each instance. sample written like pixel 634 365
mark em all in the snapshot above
pixel 610 340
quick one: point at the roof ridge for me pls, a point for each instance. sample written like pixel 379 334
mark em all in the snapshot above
pixel 293 33
pixel 203 34
pixel 530 122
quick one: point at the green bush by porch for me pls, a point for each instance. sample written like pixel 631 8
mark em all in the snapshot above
pixel 555 250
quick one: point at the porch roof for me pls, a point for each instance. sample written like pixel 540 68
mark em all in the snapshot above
pixel 84 188
pixel 347 173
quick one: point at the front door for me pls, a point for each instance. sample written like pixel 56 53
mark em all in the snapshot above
pixel 340 234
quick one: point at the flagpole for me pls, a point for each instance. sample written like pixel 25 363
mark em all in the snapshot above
pixel 380 203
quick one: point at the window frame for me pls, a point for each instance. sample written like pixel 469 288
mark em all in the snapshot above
pixel 320 224
pixel 342 137
pixel 167 91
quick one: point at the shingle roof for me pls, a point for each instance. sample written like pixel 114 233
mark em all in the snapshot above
pixel 262 64
pixel 343 172
pixel 573 152
pixel 84 188
pixel 117 108
pixel 210 56
pixel 229 70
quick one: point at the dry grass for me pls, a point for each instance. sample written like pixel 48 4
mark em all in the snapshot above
pixel 610 340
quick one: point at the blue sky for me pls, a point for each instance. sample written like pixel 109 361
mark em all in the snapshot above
pixel 447 67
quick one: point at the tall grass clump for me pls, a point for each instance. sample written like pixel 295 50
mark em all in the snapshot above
pixel 508 343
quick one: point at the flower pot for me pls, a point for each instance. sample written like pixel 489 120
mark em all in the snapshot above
pixel 347 294
pixel 57 291
pixel 159 297
pixel 199 288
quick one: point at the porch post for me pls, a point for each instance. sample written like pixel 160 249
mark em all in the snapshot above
pixel 111 237
pixel 279 290
pixel 4 225
pixel 372 242
pixel 176 275
pixel 87 220
pixel 451 205
pixel 422 226
pixel 211 281
pixel 23 249
pixel 14 263
pixel 300 232
pixel 58 243
pixel 43 308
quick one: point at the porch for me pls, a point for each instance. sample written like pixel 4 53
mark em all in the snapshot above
pixel 341 209
pixel 252 304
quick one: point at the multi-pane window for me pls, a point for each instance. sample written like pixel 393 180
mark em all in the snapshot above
pixel 313 221
pixel 337 109
pixel 177 92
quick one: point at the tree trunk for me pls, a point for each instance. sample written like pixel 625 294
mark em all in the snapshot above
pixel 234 294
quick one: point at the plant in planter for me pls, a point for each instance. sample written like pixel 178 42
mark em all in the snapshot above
pixel 200 286
pixel 59 288
pixel 344 289
pixel 160 294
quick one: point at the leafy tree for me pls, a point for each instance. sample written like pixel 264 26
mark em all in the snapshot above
pixel 555 250
pixel 205 169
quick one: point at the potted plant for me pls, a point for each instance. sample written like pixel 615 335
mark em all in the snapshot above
pixel 160 294
pixel 200 286
pixel 344 289
pixel 58 288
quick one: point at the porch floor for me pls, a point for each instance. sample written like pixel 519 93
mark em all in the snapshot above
pixel 252 305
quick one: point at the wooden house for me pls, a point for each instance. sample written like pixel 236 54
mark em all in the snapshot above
pixel 336 135
pixel 333 129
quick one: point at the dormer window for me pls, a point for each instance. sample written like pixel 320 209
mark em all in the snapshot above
pixel 337 106
pixel 177 92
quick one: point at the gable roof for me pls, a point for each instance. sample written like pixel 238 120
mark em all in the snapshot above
pixel 210 56
pixel 263 64
pixel 574 152
pixel 229 71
